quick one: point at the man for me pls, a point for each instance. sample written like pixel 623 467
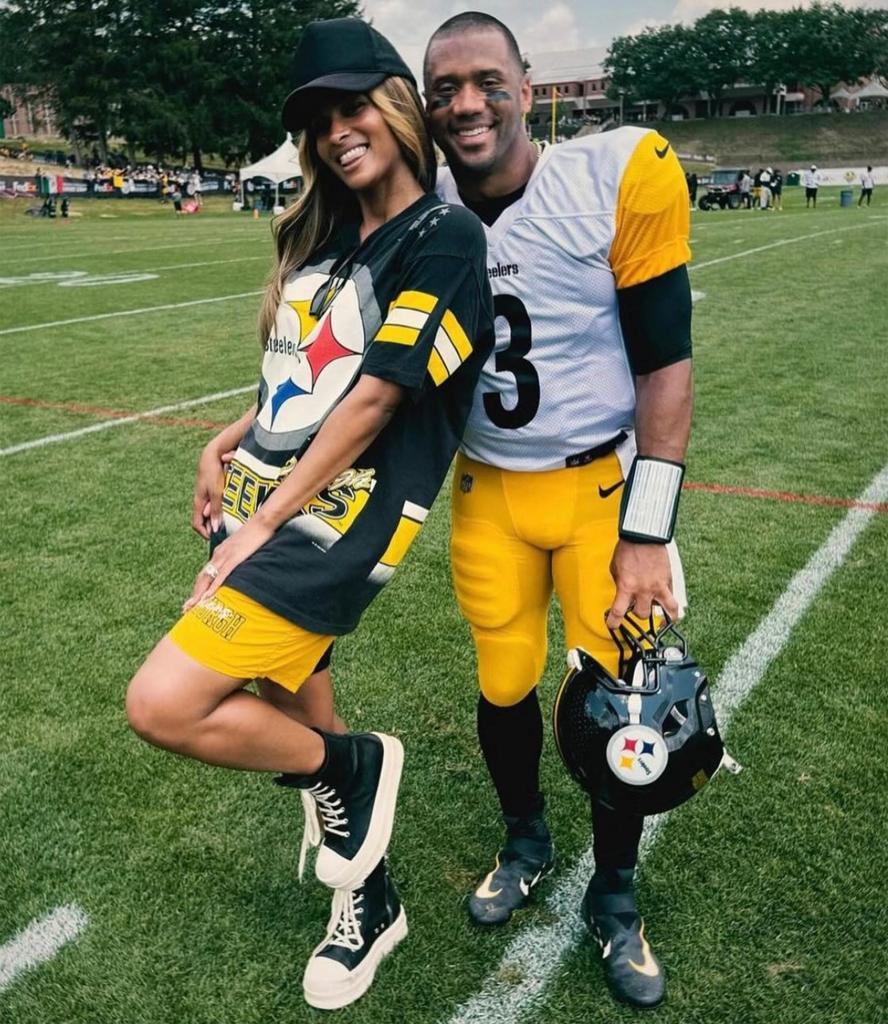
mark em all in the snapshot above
pixel 812 181
pixel 867 183
pixel 587 251
pixel 765 193
pixel 746 190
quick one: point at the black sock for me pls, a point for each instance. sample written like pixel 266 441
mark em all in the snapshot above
pixel 512 742
pixel 336 768
pixel 615 838
pixel 615 841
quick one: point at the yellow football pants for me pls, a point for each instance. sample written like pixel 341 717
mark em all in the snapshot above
pixel 515 536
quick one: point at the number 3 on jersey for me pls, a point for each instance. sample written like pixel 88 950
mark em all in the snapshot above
pixel 512 360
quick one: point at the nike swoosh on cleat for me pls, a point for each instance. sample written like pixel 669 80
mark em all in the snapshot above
pixel 525 887
pixel 648 967
pixel 484 891
pixel 662 152
pixel 604 492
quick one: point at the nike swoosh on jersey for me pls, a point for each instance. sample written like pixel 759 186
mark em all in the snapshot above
pixel 604 492
pixel 662 152
pixel 648 966
pixel 484 891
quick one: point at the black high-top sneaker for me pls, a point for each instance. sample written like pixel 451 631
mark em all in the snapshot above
pixel 355 793
pixel 631 970
pixel 365 925
pixel 526 858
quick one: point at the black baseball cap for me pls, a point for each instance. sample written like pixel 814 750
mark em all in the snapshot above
pixel 343 53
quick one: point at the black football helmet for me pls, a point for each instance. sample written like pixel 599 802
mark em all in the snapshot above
pixel 647 741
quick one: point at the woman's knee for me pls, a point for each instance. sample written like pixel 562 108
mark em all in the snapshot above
pixel 152 711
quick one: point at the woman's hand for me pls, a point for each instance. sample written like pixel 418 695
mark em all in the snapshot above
pixel 230 553
pixel 206 508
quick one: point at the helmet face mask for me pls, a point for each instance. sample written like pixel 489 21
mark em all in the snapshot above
pixel 647 740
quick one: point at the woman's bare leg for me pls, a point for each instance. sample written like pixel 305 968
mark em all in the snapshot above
pixel 176 703
pixel 311 704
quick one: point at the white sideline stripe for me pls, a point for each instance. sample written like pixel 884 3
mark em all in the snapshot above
pixel 147 270
pixel 534 955
pixel 127 312
pixel 40 941
pixel 101 254
pixel 774 245
pixel 94 428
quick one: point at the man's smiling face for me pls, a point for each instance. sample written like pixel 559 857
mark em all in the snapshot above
pixel 475 95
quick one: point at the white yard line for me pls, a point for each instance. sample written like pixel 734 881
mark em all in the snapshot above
pixel 774 245
pixel 41 279
pixel 94 428
pixel 153 248
pixel 534 955
pixel 40 941
pixel 127 312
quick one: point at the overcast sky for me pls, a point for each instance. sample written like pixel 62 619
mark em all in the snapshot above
pixel 547 24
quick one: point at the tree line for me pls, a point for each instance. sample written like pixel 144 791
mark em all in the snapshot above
pixel 182 78
pixel 815 46
pixel 172 78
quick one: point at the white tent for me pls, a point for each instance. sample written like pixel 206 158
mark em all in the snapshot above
pixel 875 90
pixel 281 165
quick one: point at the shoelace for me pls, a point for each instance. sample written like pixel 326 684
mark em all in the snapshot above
pixel 345 928
pixel 331 810
pixel 312 835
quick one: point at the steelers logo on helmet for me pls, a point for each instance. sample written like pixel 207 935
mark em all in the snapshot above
pixel 637 754
pixel 645 740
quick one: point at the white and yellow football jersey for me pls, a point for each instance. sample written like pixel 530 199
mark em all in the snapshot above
pixel 598 214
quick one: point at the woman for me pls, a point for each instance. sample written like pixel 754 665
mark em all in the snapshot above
pixel 375 326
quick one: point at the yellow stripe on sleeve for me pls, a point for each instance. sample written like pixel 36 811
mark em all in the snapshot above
pixel 437 369
pixel 402 538
pixel 652 216
pixel 417 300
pixel 397 335
pixel 457 335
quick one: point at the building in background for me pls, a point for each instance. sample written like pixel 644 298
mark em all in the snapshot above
pixel 581 89
pixel 31 115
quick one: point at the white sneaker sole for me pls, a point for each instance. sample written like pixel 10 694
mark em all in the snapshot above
pixel 362 977
pixel 338 872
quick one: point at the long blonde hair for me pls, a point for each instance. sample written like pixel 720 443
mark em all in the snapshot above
pixel 326 202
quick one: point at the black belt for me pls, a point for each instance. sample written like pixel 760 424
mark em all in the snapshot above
pixel 591 454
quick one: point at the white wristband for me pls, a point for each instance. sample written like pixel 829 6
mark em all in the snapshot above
pixel 650 500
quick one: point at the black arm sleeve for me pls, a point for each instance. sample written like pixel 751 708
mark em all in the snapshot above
pixel 656 320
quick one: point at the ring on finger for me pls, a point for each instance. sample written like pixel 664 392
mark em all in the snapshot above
pixel 210 570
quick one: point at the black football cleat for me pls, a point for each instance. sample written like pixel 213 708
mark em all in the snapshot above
pixel 355 802
pixel 365 925
pixel 632 972
pixel 521 865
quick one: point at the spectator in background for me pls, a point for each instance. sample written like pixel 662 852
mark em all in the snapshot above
pixel 64 207
pixel 867 183
pixel 777 189
pixel 765 189
pixel 757 187
pixel 745 185
pixel 812 181
pixel 691 179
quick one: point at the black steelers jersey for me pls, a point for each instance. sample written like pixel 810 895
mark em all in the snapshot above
pixel 409 305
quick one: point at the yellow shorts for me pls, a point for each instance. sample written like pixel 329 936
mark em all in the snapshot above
pixel 233 634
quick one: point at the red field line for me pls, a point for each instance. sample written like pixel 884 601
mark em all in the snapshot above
pixel 789 496
pixel 111 414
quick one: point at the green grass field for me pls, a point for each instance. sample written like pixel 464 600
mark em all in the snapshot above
pixel 766 897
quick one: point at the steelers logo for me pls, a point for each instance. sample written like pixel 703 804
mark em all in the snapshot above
pixel 637 755
pixel 310 360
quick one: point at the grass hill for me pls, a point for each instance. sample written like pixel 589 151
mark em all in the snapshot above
pixel 824 139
